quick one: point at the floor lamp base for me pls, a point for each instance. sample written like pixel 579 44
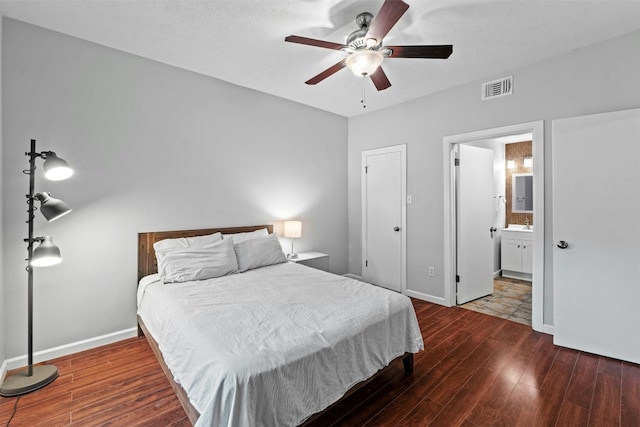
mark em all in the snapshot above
pixel 21 383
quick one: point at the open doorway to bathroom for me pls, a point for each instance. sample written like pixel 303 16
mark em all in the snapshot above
pixel 512 222
pixel 521 293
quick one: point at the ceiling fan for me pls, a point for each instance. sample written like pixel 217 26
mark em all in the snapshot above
pixel 365 49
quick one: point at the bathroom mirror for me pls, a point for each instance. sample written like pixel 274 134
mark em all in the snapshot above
pixel 522 193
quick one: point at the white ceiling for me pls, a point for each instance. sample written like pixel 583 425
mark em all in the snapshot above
pixel 242 41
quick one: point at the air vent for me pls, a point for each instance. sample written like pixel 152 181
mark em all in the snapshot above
pixel 497 88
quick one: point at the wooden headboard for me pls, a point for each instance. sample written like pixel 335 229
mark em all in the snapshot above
pixel 147 263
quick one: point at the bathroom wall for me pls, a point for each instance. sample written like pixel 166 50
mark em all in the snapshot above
pixel 517 152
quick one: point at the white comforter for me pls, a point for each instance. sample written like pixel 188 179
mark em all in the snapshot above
pixel 274 345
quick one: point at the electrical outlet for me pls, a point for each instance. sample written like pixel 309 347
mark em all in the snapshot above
pixel 432 271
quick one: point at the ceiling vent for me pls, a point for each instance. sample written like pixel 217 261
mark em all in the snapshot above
pixel 497 88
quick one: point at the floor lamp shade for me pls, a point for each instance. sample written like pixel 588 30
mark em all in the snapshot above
pixel 55 168
pixel 51 208
pixel 46 254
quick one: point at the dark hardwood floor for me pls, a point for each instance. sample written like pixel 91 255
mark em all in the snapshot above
pixel 476 370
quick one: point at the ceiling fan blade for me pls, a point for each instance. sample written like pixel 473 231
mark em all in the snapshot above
pixel 314 42
pixel 435 51
pixel 326 73
pixel 380 80
pixel 386 18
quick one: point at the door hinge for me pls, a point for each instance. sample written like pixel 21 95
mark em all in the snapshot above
pixel 366 169
pixel 457 162
pixel 366 263
pixel 457 279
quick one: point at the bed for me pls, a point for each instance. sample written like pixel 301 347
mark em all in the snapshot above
pixel 272 345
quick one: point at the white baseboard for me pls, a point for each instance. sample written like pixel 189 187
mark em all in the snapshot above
pixel 410 293
pixel 3 371
pixel 426 297
pixel 67 349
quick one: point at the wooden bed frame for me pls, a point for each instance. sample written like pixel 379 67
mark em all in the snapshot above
pixel 147 265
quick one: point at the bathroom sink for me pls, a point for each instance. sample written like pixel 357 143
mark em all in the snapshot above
pixel 519 227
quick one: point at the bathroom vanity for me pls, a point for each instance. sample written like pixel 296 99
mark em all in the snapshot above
pixel 516 252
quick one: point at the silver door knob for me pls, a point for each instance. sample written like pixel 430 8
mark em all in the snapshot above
pixel 396 228
pixel 562 244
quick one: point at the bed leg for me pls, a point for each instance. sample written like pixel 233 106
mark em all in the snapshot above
pixel 140 331
pixel 407 361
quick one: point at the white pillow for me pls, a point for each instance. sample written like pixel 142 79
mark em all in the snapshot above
pixel 197 263
pixel 187 242
pixel 259 252
pixel 241 237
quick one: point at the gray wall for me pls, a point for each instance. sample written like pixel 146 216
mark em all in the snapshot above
pixel 2 282
pixel 602 77
pixel 154 148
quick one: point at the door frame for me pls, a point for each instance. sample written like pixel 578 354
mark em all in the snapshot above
pixel 402 148
pixel 536 128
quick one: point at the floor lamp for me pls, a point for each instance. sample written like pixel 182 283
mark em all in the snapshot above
pixel 55 169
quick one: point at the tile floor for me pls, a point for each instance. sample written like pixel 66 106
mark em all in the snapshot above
pixel 511 299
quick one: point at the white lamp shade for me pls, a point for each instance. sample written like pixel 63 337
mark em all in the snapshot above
pixel 46 254
pixel 56 169
pixel 364 62
pixel 293 229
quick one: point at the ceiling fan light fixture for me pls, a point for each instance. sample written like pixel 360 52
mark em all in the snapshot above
pixel 371 43
pixel 364 62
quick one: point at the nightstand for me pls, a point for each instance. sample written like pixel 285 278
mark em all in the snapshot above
pixel 312 259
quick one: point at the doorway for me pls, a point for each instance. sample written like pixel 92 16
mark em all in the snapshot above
pixel 450 241
pixel 384 217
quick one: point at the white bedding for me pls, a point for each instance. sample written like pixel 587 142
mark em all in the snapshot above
pixel 274 345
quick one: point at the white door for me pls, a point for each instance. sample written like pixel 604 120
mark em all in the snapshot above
pixel 383 217
pixel 475 214
pixel 596 233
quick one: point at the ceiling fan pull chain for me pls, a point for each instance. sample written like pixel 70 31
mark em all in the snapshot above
pixel 362 94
